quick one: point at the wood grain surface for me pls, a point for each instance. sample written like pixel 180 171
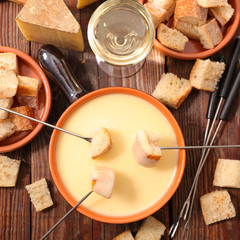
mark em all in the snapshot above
pixel 18 218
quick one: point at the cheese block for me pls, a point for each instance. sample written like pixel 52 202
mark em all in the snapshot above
pixel 84 3
pixel 50 22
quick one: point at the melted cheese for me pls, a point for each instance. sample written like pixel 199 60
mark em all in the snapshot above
pixel 136 187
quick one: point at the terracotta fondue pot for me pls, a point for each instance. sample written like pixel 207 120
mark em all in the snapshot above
pixel 55 66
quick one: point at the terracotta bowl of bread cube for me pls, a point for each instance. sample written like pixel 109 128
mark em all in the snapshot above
pixel 216 31
pixel 28 93
pixel 139 190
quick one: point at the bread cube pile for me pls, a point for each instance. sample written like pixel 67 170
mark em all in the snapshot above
pixel 195 19
pixel 16 90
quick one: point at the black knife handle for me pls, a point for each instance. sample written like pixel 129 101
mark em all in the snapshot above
pixel 214 97
pixel 54 64
pixel 229 101
pixel 231 68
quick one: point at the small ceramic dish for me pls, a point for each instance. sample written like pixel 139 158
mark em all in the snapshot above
pixel 28 67
pixel 193 48
pixel 70 171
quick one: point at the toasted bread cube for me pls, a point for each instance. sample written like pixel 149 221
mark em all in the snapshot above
pixel 227 173
pixel 217 206
pixel 212 3
pixel 40 194
pixel 222 14
pixel 9 169
pixel 157 13
pixel 188 29
pixel 21 123
pixel 8 83
pixel 28 86
pixel 101 142
pixel 171 90
pixel 6 128
pixel 210 34
pixel 103 180
pixel 189 11
pixel 126 235
pixel 6 103
pixel 8 61
pixel 205 74
pixel 168 5
pixel 151 229
pixel 29 101
pixel 171 38
pixel 145 148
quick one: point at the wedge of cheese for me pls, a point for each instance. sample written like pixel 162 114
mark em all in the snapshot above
pixel 84 3
pixel 50 22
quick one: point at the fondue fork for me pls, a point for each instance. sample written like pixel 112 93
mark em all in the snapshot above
pixel 223 116
pixel 65 216
pixel 47 124
pixel 89 139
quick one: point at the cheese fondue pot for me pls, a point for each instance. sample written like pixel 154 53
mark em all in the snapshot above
pixel 138 191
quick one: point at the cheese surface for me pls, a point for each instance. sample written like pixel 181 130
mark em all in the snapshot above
pixel 84 3
pixel 50 22
pixel 136 187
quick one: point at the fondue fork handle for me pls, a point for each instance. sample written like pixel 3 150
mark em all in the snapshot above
pixel 46 124
pixel 65 216
pixel 55 65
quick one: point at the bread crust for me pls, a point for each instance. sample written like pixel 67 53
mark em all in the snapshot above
pixel 190 11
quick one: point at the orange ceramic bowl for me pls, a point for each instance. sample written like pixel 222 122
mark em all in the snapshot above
pixel 175 180
pixel 28 67
pixel 193 48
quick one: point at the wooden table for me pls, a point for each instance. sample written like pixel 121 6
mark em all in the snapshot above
pixel 18 218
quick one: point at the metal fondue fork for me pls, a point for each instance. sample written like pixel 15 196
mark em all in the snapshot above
pixel 89 139
pixel 46 124
pixel 189 201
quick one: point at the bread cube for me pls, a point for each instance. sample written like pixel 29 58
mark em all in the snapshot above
pixel 28 86
pixel 157 13
pixel 21 123
pixel 188 29
pixel 168 5
pixel 7 128
pixel 222 14
pixel 217 206
pixel 206 73
pixel 9 169
pixel 171 90
pixel 171 38
pixel 8 61
pixel 151 229
pixel 145 148
pixel 6 103
pixel 210 34
pixel 40 194
pixel 103 180
pixel 212 3
pixel 101 142
pixel 189 11
pixel 126 235
pixel 8 83
pixel 227 173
